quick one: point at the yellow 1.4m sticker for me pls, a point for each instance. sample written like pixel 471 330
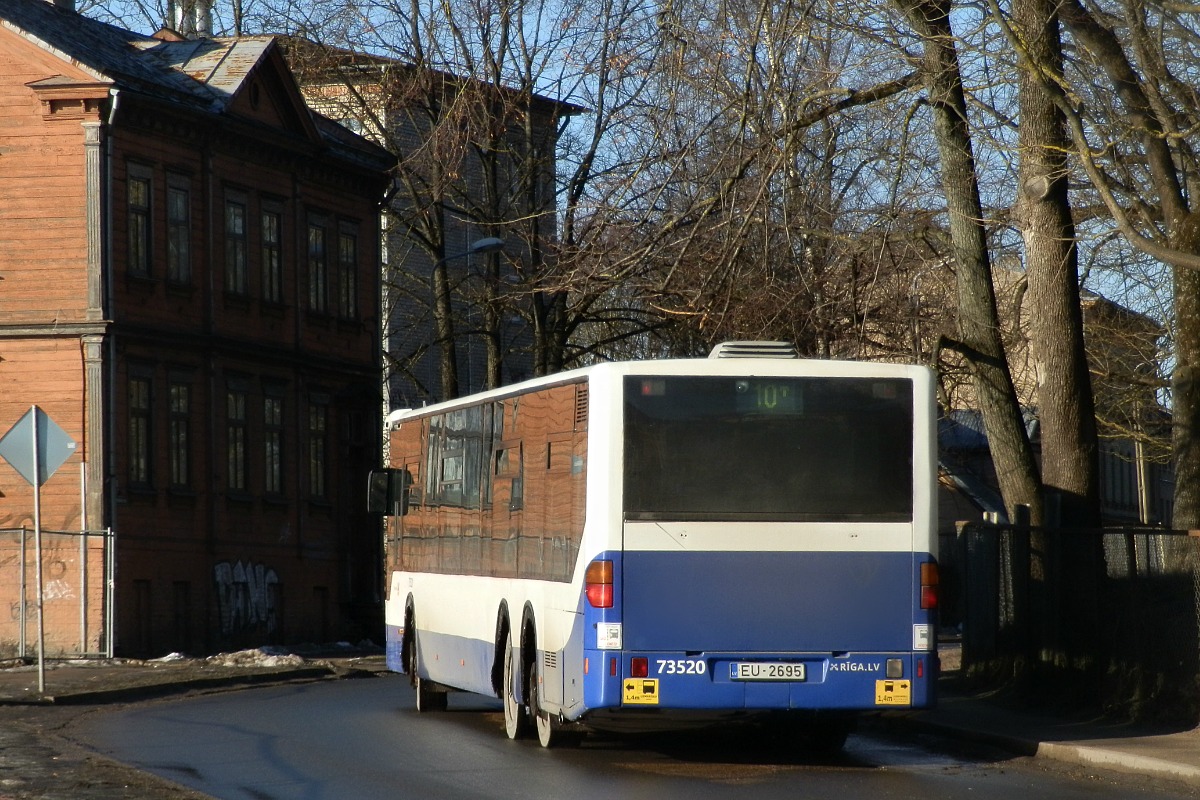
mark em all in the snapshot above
pixel 893 693
pixel 641 691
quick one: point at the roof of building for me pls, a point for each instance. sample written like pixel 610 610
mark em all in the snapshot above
pixel 320 59
pixel 960 434
pixel 203 75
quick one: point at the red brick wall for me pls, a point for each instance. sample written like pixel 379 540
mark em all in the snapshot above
pixel 198 567
pixel 42 220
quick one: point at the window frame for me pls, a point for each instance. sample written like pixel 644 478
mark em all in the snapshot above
pixel 318 265
pixel 237 434
pixel 274 441
pixel 140 222
pixel 179 231
pixel 347 267
pixel 271 253
pixel 236 244
pixel 318 448
pixel 140 435
pixel 179 425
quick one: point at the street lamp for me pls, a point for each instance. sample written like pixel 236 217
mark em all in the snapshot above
pixel 490 244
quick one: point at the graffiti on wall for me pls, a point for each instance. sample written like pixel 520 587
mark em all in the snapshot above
pixel 57 585
pixel 247 597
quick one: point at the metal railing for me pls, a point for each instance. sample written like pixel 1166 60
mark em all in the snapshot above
pixel 74 598
pixel 1107 618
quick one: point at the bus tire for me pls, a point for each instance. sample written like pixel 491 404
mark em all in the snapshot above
pixel 547 728
pixel 429 696
pixel 828 737
pixel 516 720
pixel 551 731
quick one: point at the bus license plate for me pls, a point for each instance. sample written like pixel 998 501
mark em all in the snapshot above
pixel 766 671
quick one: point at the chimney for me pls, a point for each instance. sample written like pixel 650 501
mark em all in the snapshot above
pixel 183 15
pixel 69 5
pixel 192 19
pixel 204 19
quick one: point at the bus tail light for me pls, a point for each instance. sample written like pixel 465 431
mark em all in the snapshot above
pixel 639 667
pixel 598 584
pixel 929 585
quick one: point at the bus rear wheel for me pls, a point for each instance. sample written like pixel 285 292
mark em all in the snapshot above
pixel 516 721
pixel 547 727
pixel 829 739
pixel 821 735
pixel 550 731
pixel 430 697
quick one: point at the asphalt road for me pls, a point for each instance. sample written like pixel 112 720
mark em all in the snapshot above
pixel 363 739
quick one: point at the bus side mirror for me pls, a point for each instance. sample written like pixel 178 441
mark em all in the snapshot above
pixel 388 491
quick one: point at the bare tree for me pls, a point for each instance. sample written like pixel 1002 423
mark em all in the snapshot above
pixel 1144 172
pixel 978 319
pixel 1070 462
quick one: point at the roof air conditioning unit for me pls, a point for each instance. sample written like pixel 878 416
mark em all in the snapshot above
pixel 754 350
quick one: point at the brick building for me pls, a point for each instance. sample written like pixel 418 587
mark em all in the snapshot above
pixel 189 287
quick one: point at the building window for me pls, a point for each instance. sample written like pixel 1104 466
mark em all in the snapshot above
pixel 178 443
pixel 236 439
pixel 318 414
pixel 318 279
pixel 139 226
pixel 272 257
pixel 273 445
pixel 139 433
pixel 347 276
pixel 179 234
pixel 235 247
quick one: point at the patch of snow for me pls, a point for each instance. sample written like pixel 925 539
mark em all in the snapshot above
pixel 258 657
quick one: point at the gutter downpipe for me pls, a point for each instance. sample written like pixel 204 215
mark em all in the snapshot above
pixel 111 379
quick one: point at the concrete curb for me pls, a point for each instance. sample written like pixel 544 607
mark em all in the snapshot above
pixel 154 689
pixel 1119 761
pixel 1065 752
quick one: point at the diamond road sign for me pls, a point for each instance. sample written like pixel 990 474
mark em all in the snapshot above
pixel 54 446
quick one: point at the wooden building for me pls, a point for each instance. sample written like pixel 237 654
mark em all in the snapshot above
pixel 189 287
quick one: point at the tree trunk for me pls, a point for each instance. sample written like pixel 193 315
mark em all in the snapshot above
pixel 443 321
pixel 1067 570
pixel 1185 382
pixel 1184 228
pixel 1070 455
pixel 978 320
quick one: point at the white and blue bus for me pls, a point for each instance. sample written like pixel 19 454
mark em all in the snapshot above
pixel 642 544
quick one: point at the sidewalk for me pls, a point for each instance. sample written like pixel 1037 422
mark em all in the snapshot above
pixel 1172 754
pixel 94 681
pixel 1168 754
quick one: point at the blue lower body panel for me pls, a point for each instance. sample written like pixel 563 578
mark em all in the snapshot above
pixel 449 660
pixel 710 681
pixel 393 645
pixel 842 631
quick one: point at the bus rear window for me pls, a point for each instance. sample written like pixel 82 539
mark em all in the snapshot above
pixel 813 449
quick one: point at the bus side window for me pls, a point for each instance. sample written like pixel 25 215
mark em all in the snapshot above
pixel 415 493
pixel 509 466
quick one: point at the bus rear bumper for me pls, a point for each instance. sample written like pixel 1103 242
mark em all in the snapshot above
pixel 736 683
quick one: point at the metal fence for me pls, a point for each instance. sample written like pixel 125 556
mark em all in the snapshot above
pixel 75 595
pixel 1105 618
